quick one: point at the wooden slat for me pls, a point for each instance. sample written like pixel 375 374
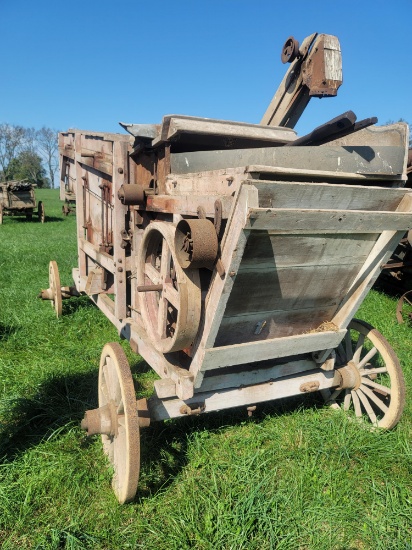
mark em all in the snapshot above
pixel 229 398
pixel 175 125
pixel 291 288
pixel 103 259
pixel 249 375
pixel 266 250
pixel 384 160
pixel 242 328
pixel 326 221
pixel 250 352
pixel 276 194
pixel 321 173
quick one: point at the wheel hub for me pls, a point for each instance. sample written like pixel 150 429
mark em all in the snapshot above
pixel 350 377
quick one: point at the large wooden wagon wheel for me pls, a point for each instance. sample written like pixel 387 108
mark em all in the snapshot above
pixel 55 288
pixel 117 421
pixel 372 381
pixel 41 212
pixel 170 297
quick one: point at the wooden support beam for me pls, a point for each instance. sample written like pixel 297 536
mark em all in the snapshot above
pixel 273 348
pixel 295 221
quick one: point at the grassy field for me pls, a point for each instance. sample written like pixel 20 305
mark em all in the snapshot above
pixel 297 475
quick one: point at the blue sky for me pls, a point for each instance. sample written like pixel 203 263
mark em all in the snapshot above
pixel 90 64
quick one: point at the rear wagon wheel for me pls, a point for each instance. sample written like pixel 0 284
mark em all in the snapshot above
pixel 378 396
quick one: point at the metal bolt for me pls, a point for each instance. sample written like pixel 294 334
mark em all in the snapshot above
pixel 120 269
pixel 120 170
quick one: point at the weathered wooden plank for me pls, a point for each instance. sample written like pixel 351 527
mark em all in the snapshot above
pixel 263 325
pixel 306 173
pixel 291 288
pixel 385 160
pixel 92 251
pixel 188 204
pixel 326 221
pixel 275 194
pixel 249 395
pixel 232 247
pixel 264 250
pixel 248 375
pixel 175 125
pixel 274 348
pixel 396 135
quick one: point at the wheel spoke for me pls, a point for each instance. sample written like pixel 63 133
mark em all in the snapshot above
pixel 335 394
pixel 358 349
pixel 348 346
pixel 165 260
pixel 377 370
pixel 378 402
pixel 356 404
pixel 120 407
pixel 104 387
pixel 162 317
pixel 347 400
pixel 112 381
pixel 378 387
pixel 152 273
pixel 171 295
pixel 367 357
pixel 364 400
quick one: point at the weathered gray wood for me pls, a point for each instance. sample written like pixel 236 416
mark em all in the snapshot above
pixel 395 135
pixel 327 196
pixel 232 247
pixel 262 325
pixel 265 250
pixel 386 160
pixel 326 221
pixel 175 125
pixel 250 352
pixel 249 395
pixel 255 170
pixel 248 375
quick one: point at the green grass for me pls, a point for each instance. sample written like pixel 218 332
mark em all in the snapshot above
pixel 297 475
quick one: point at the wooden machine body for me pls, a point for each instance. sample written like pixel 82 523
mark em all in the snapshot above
pixel 304 232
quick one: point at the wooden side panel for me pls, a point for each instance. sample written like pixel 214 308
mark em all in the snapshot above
pixel 289 284
pixel 327 196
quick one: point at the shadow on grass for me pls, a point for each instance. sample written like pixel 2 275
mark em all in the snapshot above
pixel 6 331
pixel 58 402
pixel 61 401
pixel 74 304
pixel 34 220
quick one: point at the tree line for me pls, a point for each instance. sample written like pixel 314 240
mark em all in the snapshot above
pixel 30 154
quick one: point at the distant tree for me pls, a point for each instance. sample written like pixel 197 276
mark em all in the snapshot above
pixel 12 141
pixel 27 166
pixel 47 145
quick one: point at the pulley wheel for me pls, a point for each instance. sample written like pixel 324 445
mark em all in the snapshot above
pixel 131 193
pixel 290 50
pixel 170 298
pixel 196 243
